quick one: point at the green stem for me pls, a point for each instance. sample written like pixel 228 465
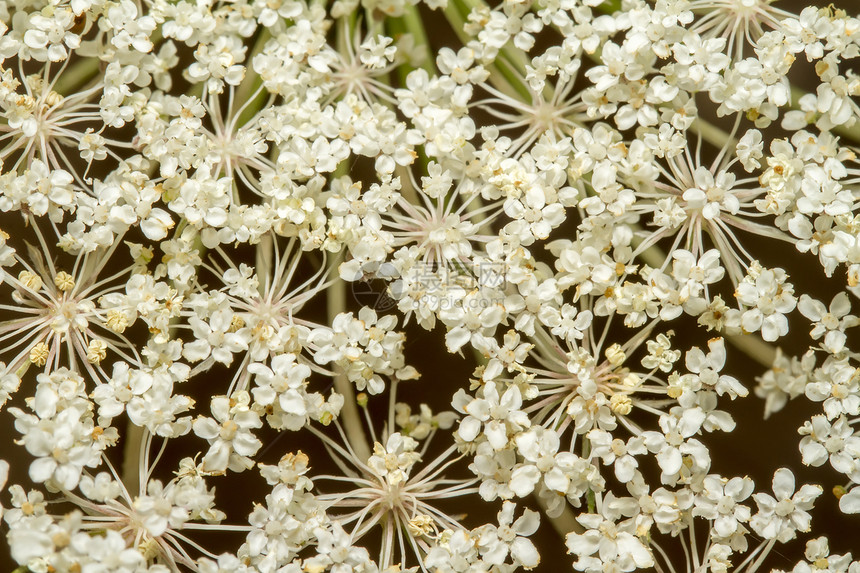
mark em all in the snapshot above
pixel 501 77
pixel 589 494
pixel 653 256
pixel 754 347
pixel 511 78
pixel 133 437
pixel 263 260
pixel 77 76
pixel 609 7
pixel 407 190
pixel 412 24
pixel 457 22
pixel 251 82
pixel 564 523
pixel 713 134
pixel 349 414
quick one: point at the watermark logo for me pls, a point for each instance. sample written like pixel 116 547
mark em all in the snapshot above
pixel 473 285
pixel 370 286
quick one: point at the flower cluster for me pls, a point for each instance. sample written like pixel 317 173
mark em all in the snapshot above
pixel 224 221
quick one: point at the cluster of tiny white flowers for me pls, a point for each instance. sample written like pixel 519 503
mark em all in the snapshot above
pixel 220 217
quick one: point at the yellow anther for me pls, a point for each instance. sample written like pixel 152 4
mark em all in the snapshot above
pixel 615 355
pixel 621 404
pixel 39 354
pixel 30 280
pixel 116 321
pixel 64 281
pixel 96 351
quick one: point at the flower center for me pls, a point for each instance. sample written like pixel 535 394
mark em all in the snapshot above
pixel 64 313
pixel 746 8
pixel 227 151
pixel 784 507
pixel 544 116
pixel 443 230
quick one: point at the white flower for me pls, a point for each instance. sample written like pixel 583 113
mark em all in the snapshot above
pixel 707 368
pixel 835 384
pixel 568 188
pixel 62 435
pixel 229 434
pixel 770 298
pixel 781 517
pixel 510 537
pixel 836 442
pixel 749 149
pixel 693 275
pixel 283 388
pixel 850 502
pixel 831 322
pixel 615 452
pixel 674 442
pixel 394 461
pixel 818 558
pixel 721 502
pixel 606 542
pixel 497 415
pixel 366 347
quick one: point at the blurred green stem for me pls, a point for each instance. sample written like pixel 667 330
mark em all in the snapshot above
pixel 754 347
pixel 349 414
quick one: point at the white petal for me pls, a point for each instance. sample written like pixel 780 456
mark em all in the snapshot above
pixel 469 428
pixel 217 457
pixel 783 483
pixel 850 502
pixel 496 434
pixel 42 469
pixel 670 460
pixel 206 428
pixel 4 473
pixel 523 480
pixel 523 550
pixel 582 545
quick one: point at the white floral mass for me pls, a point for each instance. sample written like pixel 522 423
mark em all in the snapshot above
pixel 220 217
